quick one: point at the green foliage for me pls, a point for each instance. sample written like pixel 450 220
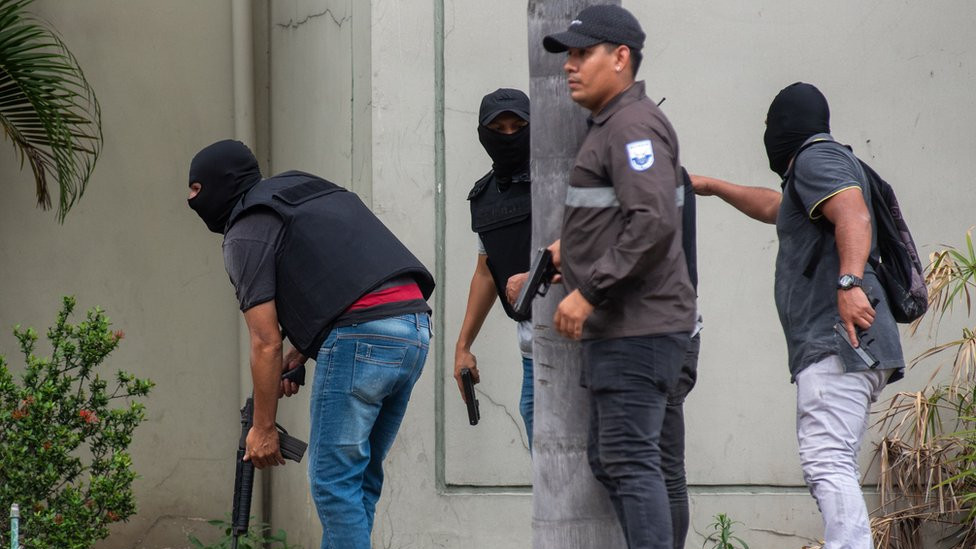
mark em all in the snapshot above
pixel 722 535
pixel 64 435
pixel 48 110
pixel 257 537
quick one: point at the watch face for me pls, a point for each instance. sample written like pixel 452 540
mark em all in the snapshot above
pixel 846 281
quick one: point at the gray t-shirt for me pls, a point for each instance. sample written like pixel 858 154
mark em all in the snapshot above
pixel 807 305
pixel 249 256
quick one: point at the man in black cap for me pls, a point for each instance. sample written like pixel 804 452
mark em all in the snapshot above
pixel 823 277
pixel 501 214
pixel 310 262
pixel 630 297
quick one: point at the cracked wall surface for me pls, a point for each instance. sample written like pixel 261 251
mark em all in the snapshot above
pixel 479 58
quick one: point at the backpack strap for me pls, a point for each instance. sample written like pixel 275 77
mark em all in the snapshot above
pixel 789 186
pixel 788 177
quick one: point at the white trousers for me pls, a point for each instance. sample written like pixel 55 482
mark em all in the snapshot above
pixel 831 417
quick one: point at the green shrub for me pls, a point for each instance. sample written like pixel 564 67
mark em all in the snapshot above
pixel 722 535
pixel 258 536
pixel 64 434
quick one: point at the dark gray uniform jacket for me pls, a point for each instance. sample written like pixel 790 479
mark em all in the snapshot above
pixel 621 238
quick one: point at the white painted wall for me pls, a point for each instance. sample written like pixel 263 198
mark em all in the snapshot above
pixel 351 94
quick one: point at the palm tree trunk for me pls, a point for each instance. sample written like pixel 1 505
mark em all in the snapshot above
pixel 569 507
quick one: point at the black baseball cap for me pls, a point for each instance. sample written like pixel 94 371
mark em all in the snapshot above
pixel 503 100
pixel 601 23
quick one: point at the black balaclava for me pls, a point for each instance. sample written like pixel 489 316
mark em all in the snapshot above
pixel 225 170
pixel 797 112
pixel 509 153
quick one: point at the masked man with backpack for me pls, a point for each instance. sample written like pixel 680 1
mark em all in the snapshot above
pixel 826 292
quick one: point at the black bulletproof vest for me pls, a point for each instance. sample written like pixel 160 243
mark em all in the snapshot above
pixel 333 250
pixel 503 220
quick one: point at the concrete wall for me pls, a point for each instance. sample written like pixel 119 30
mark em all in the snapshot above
pixel 320 121
pixel 896 76
pixel 382 96
pixel 162 72
pixel 451 485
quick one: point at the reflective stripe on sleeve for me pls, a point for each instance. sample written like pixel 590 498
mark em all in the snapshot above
pixel 605 197
pixel 591 197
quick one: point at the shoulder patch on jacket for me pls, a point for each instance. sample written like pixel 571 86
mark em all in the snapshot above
pixel 641 154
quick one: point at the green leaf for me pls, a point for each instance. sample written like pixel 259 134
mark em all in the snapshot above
pixel 48 110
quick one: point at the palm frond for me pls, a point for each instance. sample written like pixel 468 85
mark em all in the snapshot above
pixel 48 110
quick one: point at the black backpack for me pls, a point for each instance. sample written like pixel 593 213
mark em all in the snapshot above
pixel 897 265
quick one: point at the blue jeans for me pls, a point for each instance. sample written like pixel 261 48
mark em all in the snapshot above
pixel 363 378
pixel 630 380
pixel 525 402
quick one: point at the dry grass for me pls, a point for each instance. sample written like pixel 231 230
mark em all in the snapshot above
pixel 927 458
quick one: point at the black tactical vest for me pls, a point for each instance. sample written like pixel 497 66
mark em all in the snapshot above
pixel 333 251
pixel 501 214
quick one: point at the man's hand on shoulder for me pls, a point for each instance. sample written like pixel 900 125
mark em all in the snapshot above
pixel 704 186
pixel 571 314
pixel 758 203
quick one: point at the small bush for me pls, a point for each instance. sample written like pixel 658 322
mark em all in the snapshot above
pixel 64 434
pixel 722 535
pixel 257 537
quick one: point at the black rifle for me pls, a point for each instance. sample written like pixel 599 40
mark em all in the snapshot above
pixel 474 413
pixel 291 448
pixel 537 283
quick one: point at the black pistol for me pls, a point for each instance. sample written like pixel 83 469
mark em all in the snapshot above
pixel 861 350
pixel 540 275
pixel 291 448
pixel 474 414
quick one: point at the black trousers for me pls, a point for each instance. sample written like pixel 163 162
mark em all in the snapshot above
pixel 631 381
pixel 673 444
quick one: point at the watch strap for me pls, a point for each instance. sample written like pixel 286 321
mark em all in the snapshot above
pixel 855 282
